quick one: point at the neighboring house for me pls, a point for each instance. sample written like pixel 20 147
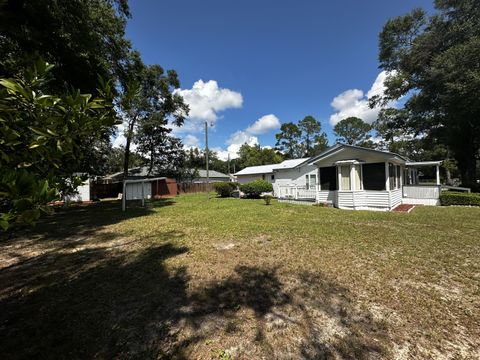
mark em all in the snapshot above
pixel 287 173
pixel 352 177
pixel 262 172
pixel 213 176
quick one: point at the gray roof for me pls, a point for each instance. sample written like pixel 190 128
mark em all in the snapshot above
pixel 211 173
pixel 270 168
pixel 339 146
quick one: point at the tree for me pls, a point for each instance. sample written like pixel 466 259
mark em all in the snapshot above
pixel 84 39
pixel 113 161
pixel 149 95
pixel 315 141
pixel 289 141
pixel 434 60
pixel 254 155
pixel 353 131
pixel 42 137
pixel 164 152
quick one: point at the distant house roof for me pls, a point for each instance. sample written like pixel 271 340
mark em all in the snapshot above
pixel 270 168
pixel 261 169
pixel 290 164
pixel 212 174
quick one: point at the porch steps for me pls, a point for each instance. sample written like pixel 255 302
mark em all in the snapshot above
pixel 404 208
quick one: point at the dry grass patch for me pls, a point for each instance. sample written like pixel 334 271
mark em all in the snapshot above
pixel 231 278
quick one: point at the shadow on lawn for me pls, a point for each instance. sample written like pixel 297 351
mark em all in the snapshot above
pixel 99 303
pixel 83 220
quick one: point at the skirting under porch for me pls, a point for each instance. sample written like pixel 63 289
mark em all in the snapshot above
pixel 362 199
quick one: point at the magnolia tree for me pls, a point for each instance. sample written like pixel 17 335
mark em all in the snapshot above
pixel 42 137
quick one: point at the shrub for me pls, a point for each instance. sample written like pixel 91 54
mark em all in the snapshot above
pixel 459 198
pixel 267 198
pixel 224 189
pixel 255 188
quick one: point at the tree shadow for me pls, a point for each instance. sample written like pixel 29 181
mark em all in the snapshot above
pixel 91 303
pixel 280 312
pixel 111 303
pixel 84 220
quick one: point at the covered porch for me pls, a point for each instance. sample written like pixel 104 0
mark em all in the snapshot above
pixel 423 193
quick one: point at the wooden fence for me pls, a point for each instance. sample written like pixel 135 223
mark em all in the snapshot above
pixel 195 187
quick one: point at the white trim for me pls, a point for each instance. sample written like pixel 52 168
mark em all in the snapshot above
pixel 423 163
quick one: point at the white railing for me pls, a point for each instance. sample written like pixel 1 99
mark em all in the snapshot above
pixel 421 191
pixel 296 193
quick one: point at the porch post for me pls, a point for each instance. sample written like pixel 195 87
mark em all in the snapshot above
pixel 438 174
pixel 352 178
pixel 339 178
pixel 387 177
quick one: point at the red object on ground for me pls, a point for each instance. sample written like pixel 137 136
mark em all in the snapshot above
pixel 404 208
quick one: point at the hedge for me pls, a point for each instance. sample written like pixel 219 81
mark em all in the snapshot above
pixel 459 198
pixel 255 188
pixel 225 188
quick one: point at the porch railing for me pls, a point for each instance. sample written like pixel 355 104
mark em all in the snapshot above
pixel 421 191
pixel 296 193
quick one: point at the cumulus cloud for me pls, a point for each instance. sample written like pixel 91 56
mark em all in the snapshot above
pixel 354 102
pixel 206 100
pixel 191 141
pixel 248 136
pixel 119 138
pixel 263 125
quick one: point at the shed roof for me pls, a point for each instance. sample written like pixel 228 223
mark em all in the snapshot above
pixel 212 174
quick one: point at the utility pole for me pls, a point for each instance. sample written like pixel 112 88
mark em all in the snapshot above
pixel 228 164
pixel 206 159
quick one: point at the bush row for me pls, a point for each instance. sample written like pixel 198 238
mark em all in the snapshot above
pixel 459 198
pixel 225 188
pixel 255 188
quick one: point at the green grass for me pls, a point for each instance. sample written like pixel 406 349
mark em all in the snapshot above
pixel 191 278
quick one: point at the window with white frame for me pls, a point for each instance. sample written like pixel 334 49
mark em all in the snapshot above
pixel 310 181
pixel 345 177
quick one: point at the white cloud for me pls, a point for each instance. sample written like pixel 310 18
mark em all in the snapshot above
pixel 354 102
pixel 263 125
pixel 120 140
pixel 206 100
pixel 191 141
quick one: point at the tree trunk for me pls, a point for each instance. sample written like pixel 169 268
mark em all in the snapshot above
pixel 126 160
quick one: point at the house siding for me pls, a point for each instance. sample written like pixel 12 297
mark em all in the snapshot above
pixel 293 177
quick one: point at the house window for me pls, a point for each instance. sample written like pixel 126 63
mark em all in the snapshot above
pixel 345 177
pixel 310 181
pixel 394 173
pixel 391 176
pixel 272 177
pixel 328 178
pixel 399 173
pixel 374 176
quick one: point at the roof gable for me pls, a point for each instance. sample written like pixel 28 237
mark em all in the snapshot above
pixel 352 152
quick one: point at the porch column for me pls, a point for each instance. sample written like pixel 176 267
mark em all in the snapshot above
pixel 339 178
pixel 352 177
pixel 438 174
pixel 387 178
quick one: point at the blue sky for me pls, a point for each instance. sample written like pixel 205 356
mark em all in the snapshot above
pixel 247 66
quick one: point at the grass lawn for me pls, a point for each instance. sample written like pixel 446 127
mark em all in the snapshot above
pixel 230 278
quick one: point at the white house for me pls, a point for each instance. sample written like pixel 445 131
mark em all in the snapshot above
pixel 352 177
pixel 262 172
